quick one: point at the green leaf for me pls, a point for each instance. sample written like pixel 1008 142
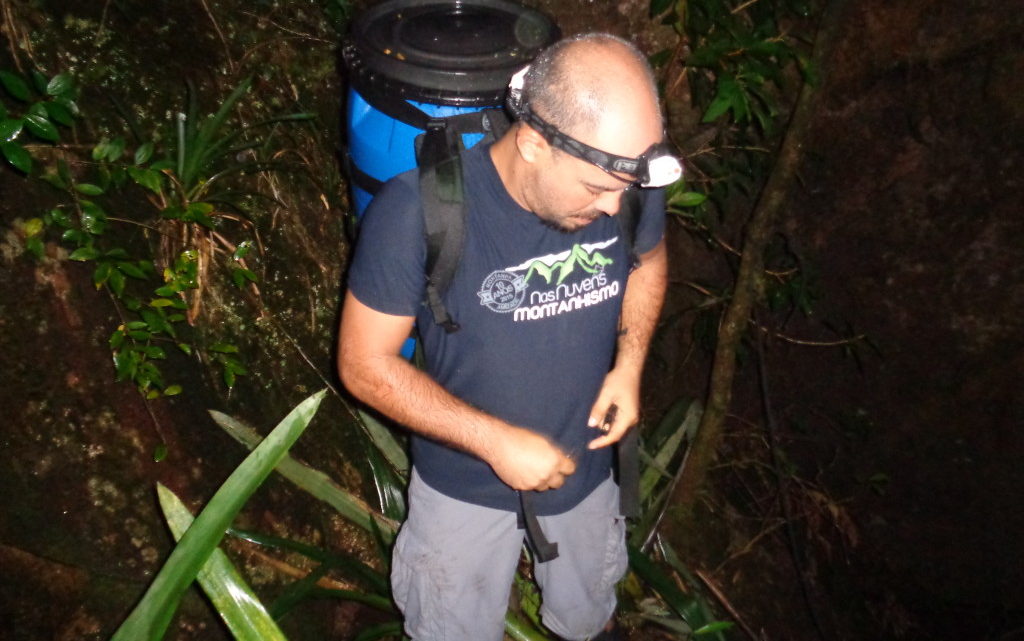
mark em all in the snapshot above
pixel 60 85
pixel 146 177
pixel 10 128
pixel 154 351
pixel 150 618
pixel 75 237
pixel 161 302
pixel 313 481
pixel 101 274
pixel 143 153
pixel 55 181
pixel 38 109
pixel 223 348
pixel 242 250
pixel 115 149
pixel 117 339
pixel 160 453
pixel 718 106
pixel 128 269
pixel 116 282
pixel 349 565
pixel 94 219
pixel 34 246
pixel 231 596
pixel 389 488
pixel 185 348
pixel 199 213
pixel 689 199
pixel 17 156
pixel 242 276
pixel 100 150
pixel 172 390
pixel 173 211
pixel 59 113
pixel 711 628
pixel 38 80
pixel 384 440
pixel 32 226
pixel 88 189
pixel 84 253
pixel 41 127
pixel 15 86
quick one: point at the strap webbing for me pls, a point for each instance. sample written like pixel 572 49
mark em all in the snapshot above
pixel 628 455
pixel 444 220
pixel 543 549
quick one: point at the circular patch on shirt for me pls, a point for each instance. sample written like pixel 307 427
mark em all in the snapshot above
pixel 502 291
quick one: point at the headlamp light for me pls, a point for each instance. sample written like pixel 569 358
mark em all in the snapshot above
pixel 656 167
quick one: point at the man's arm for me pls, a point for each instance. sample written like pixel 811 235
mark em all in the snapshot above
pixel 641 304
pixel 372 369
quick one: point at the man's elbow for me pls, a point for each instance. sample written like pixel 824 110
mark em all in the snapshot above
pixel 351 372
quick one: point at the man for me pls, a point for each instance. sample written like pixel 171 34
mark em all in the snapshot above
pixel 544 374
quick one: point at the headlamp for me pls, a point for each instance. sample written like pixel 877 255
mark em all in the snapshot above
pixel 656 167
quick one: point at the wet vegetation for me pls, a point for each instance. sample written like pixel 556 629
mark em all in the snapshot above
pixel 175 227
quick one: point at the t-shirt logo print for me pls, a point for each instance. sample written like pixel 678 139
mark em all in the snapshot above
pixel 505 290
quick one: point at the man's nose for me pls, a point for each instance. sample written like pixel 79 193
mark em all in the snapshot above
pixel 609 202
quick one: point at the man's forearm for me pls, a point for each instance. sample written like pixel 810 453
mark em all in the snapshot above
pixel 641 305
pixel 409 396
pixel 521 458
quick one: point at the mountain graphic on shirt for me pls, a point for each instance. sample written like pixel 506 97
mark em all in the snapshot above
pixel 590 262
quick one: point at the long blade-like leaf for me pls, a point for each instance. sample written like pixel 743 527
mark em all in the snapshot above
pixel 386 442
pixel 199 153
pixel 683 429
pixel 234 600
pixel 313 481
pixel 520 629
pixel 350 566
pixel 150 618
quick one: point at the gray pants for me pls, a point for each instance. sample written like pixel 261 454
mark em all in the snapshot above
pixel 454 563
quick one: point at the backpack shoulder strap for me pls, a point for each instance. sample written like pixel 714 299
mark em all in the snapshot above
pixel 444 217
pixel 442 193
pixel 630 209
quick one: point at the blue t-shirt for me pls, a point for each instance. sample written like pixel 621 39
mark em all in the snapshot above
pixel 538 310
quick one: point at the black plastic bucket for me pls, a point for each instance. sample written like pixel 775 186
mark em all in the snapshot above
pixel 443 59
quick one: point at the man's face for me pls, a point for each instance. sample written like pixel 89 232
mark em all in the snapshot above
pixel 569 194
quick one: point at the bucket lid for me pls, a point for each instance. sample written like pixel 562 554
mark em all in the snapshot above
pixel 459 52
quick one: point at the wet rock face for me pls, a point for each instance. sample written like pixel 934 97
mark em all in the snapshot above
pixel 912 213
pixel 79 536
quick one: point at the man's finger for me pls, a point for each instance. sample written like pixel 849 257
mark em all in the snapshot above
pixel 567 466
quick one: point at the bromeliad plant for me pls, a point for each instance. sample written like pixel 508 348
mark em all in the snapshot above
pixel 653 588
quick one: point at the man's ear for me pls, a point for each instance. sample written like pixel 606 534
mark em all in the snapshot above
pixel 531 145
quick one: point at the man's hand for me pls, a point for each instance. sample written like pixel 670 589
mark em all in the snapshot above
pixel 616 409
pixel 525 460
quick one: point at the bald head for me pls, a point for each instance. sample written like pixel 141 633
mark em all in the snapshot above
pixel 591 82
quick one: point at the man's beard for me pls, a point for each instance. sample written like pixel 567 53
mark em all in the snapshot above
pixel 559 226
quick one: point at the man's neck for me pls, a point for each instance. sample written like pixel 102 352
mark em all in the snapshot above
pixel 506 161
